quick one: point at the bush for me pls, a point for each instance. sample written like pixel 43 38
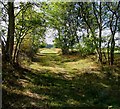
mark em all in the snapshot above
pixel 85 49
pixel 30 46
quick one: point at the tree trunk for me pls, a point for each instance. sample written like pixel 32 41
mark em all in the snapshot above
pixel 65 51
pixel 11 28
pixel 112 50
pixel 108 52
pixel 99 23
pixel 113 27
pixel 100 34
pixel 3 50
pixel 15 51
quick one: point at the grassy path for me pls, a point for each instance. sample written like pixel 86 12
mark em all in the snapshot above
pixel 57 81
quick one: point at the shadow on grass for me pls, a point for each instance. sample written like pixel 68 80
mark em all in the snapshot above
pixel 53 59
pixel 84 90
pixel 13 100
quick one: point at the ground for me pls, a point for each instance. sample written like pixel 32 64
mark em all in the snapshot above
pixel 52 80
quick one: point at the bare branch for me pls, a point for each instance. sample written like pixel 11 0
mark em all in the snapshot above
pixel 23 8
pixel 5 6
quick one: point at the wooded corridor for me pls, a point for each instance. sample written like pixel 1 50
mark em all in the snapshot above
pixel 60 55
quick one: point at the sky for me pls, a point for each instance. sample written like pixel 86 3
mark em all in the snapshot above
pixel 49 40
pixel 51 34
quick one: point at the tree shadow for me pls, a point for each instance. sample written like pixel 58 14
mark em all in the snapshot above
pixel 13 100
pixel 83 90
pixel 50 60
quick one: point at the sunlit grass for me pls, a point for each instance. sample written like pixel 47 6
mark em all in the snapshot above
pixel 80 64
pixel 50 50
pixel 64 81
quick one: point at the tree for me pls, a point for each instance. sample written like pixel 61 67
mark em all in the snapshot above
pixel 88 15
pixel 22 27
pixel 97 9
pixel 20 22
pixel 58 23
pixel 65 24
pixel 114 9
pixel 11 30
pixel 28 24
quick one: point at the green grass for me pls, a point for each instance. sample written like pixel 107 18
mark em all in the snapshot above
pixel 49 51
pixel 62 82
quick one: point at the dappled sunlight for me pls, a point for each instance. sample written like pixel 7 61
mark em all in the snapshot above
pixel 40 67
pixel 34 95
pixel 26 92
pixel 53 81
pixel 104 85
pixel 66 65
pixel 81 65
pixel 62 55
pixel 73 102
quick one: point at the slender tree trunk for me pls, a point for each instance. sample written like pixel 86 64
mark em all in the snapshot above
pixel 100 34
pixel 65 50
pixel 113 27
pixel 3 50
pixel 113 31
pixel 108 52
pixel 15 51
pixel 99 23
pixel 112 50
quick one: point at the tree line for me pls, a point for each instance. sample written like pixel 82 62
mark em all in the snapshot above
pixel 79 26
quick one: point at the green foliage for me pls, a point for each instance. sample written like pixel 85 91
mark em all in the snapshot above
pixel 31 44
pixel 43 45
pixel 57 43
pixel 65 23
pixel 26 46
pixel 86 47
pixel 29 22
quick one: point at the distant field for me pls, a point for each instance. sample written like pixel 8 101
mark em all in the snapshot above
pixel 49 50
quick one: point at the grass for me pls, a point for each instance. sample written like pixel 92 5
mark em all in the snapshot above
pixel 62 82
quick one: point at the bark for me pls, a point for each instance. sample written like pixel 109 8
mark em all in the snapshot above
pixel 113 28
pixel 15 51
pixel 112 51
pixel 108 52
pixel 99 23
pixel 100 33
pixel 11 29
pixel 65 50
pixel 113 31
pixel 3 50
